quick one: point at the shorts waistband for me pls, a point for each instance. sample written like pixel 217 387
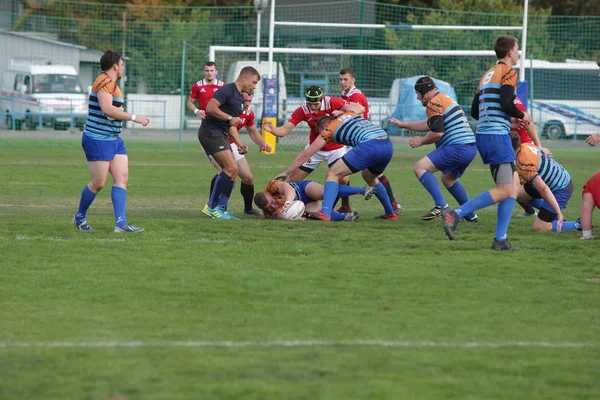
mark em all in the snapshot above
pixel 382 137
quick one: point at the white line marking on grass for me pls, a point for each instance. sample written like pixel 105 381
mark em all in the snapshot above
pixel 58 239
pixel 297 343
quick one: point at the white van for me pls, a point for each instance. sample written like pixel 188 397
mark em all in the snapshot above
pixel 263 69
pixel 48 94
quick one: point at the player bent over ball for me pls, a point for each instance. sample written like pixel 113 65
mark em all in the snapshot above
pixel 277 195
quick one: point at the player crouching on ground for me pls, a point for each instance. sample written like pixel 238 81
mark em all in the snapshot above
pixel 277 195
pixel 547 186
pixel 371 152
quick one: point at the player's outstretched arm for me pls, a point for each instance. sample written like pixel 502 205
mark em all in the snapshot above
pixel 256 137
pixel 303 157
pixel 278 131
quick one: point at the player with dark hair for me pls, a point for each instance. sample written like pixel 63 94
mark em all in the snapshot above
pixel 247 184
pixel 371 152
pixel 547 186
pixel 277 195
pixel 446 126
pixel 493 106
pixel 223 111
pixel 203 90
pixel 103 146
pixel 352 94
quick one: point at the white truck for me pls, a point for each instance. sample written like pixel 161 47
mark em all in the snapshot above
pixel 48 95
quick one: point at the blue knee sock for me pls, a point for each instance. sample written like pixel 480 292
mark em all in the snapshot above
pixel 224 187
pixel 214 196
pixel 337 216
pixel 566 226
pixel 460 195
pixel 345 191
pixel 329 196
pixel 384 199
pixel 87 197
pixel 537 203
pixel 478 202
pixel 119 199
pixel 505 209
pixel 430 183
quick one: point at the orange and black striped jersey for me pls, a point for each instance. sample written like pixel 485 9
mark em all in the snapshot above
pixel 100 126
pixel 351 129
pixel 456 127
pixel 531 162
pixel 493 119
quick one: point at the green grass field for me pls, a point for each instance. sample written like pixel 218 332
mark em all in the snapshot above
pixel 196 308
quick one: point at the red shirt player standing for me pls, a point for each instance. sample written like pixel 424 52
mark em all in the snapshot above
pixel 204 90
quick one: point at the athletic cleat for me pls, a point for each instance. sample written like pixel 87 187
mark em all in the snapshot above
pixel 344 209
pixel 351 217
pixel 128 228
pixel 397 208
pixel 435 212
pixel 369 192
pixel 526 214
pixel 83 225
pixel 474 218
pixel 311 215
pixel 450 223
pixel 219 212
pixel 391 217
pixel 503 245
pixel 252 213
pixel 321 215
pixel 578 226
pixel 206 210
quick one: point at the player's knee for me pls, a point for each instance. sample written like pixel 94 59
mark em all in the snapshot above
pixel 97 184
pixel 247 179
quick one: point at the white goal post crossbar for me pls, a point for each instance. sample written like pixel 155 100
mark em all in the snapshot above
pixel 392 26
pixel 307 50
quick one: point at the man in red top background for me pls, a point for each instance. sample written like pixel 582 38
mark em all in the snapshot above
pixel 203 90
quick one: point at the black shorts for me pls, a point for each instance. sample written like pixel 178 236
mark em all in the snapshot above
pixel 213 140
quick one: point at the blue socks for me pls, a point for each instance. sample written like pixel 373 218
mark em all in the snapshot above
pixel 384 199
pixel 505 209
pixel 566 226
pixel 345 191
pixel 119 199
pixel 329 196
pixel 478 202
pixel 87 197
pixel 222 191
pixel 431 184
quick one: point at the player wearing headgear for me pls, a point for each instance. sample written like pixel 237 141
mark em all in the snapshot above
pixel 371 152
pixel 277 195
pixel 547 186
pixel 446 126
pixel 493 106
pixel 316 105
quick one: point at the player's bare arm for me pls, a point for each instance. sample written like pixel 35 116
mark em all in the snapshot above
pixel 106 105
pixel 547 195
pixel 416 126
pixel 213 109
pixel 191 105
pixel 430 138
pixel 256 137
pixel 280 131
pixel 315 146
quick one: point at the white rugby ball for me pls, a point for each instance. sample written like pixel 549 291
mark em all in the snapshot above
pixel 293 211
